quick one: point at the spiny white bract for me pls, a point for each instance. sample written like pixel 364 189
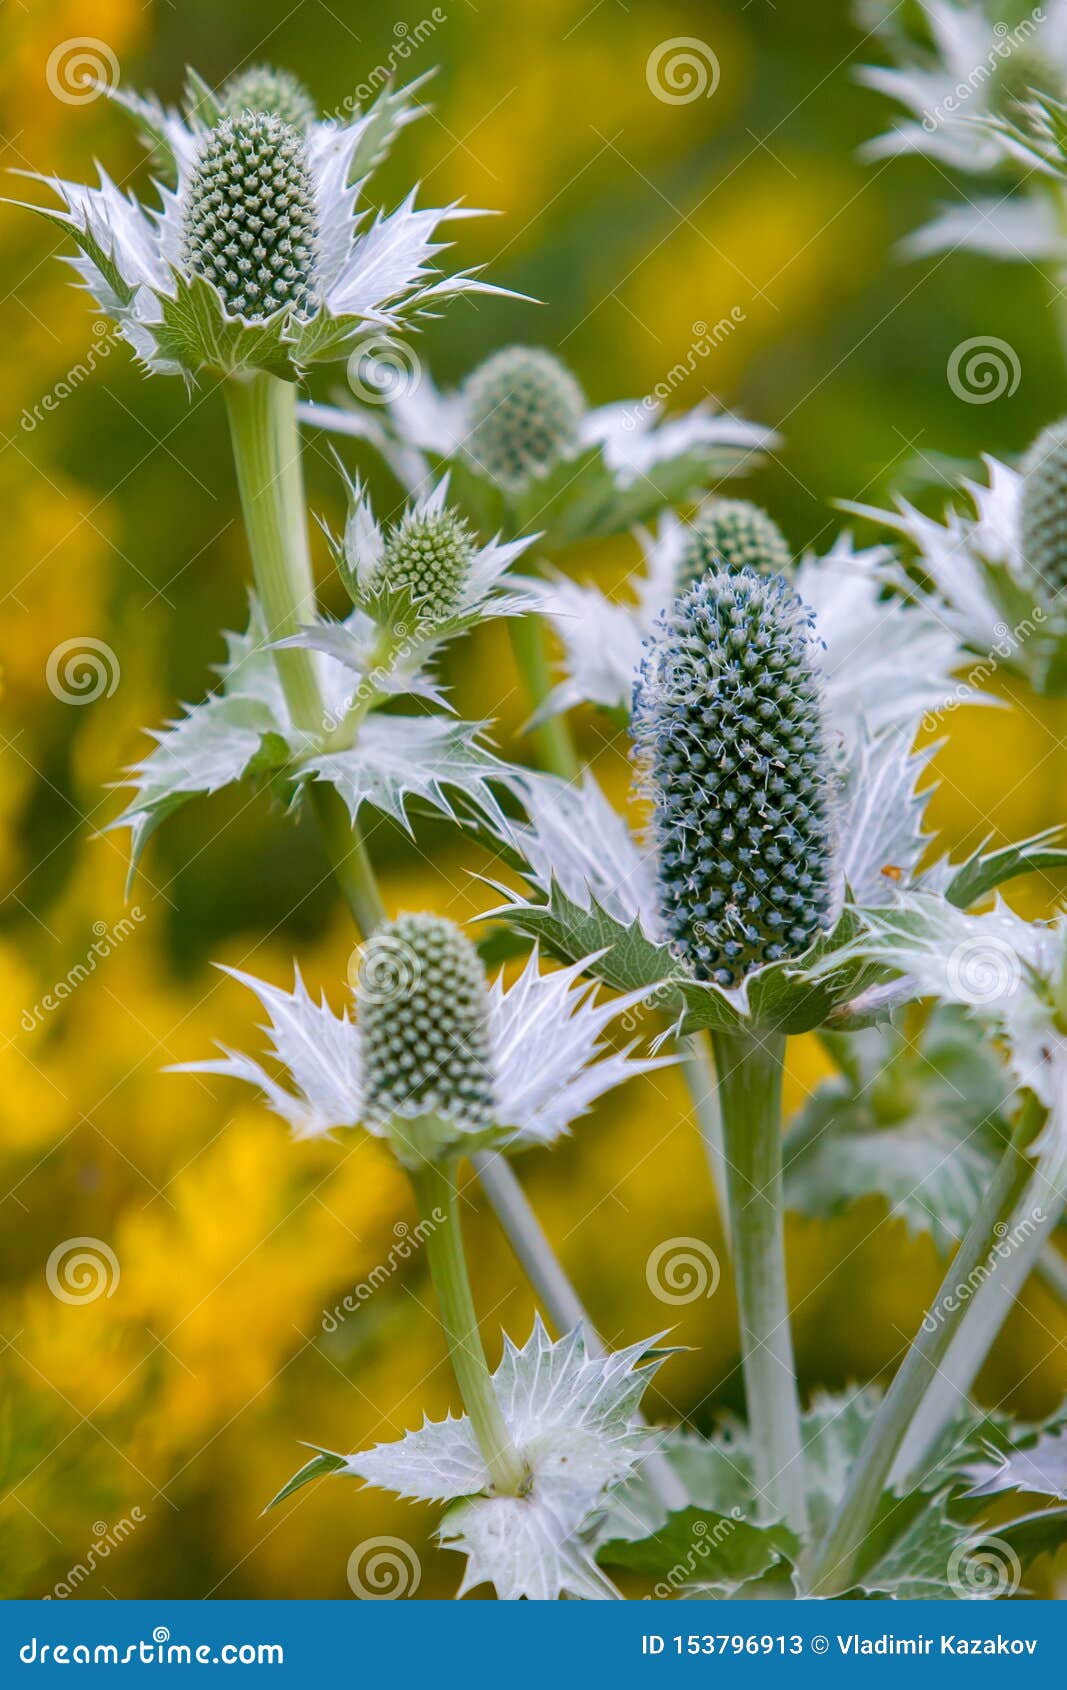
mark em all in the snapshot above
pixel 422 1014
pixel 524 411
pixel 259 254
pixel 728 723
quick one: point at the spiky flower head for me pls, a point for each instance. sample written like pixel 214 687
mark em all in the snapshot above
pixel 524 411
pixel 732 534
pixel 1044 509
pixel 728 724
pixel 250 224
pixel 423 1016
pixel 262 88
pixel 425 566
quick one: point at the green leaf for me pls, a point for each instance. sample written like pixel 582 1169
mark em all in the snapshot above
pixel 197 333
pixel 920 1124
pixel 322 1462
pixel 980 875
pixel 698 1545
pixel 97 254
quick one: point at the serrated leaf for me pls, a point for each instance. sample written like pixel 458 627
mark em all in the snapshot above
pixel 697 1545
pixel 323 1462
pixel 1040 1468
pixel 196 332
pixel 398 760
pixel 920 1125
pixel 981 874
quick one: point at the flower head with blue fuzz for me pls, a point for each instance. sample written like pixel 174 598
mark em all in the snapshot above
pixel 729 726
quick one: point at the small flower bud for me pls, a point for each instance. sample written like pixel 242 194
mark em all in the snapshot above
pixel 422 1013
pixel 424 567
pixel 261 88
pixel 524 411
pixel 250 223
pixel 1044 510
pixel 728 725
pixel 732 534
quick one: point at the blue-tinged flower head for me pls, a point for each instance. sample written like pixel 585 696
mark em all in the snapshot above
pixel 728 725
pixel 1044 509
pixel 262 88
pixel 524 411
pixel 250 224
pixel 732 534
pixel 423 1016
pixel 425 566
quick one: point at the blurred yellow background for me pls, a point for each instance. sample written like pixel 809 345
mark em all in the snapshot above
pixel 178 1401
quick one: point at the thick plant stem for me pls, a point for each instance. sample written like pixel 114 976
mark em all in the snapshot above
pixel 552 741
pixel 435 1192
pixel 266 449
pixel 750 1093
pixel 840 1556
pixel 1022 1249
pixel 698 1070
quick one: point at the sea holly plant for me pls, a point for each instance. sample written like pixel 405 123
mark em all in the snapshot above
pixel 995 573
pixel 977 87
pixel 441 1066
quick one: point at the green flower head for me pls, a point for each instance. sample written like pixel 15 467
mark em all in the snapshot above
pixel 732 534
pixel 250 225
pixel 524 413
pixel 261 88
pixel 728 724
pixel 425 566
pixel 1044 510
pixel 422 1012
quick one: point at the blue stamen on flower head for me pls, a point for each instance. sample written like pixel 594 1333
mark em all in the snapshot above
pixel 728 726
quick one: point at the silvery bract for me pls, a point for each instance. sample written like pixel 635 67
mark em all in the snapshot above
pixel 962 79
pixel 546 1059
pixel 571 471
pixel 573 1420
pixel 261 253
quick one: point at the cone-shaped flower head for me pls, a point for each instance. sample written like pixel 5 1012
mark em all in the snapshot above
pixel 524 412
pixel 250 221
pixel 1044 509
pixel 728 724
pixel 425 566
pixel 732 534
pixel 422 1011
pixel 261 88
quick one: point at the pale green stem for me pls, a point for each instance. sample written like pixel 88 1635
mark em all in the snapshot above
pixel 698 1071
pixel 266 448
pixel 436 1195
pixel 1024 1249
pixel 552 741
pixel 749 1069
pixel 840 1557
